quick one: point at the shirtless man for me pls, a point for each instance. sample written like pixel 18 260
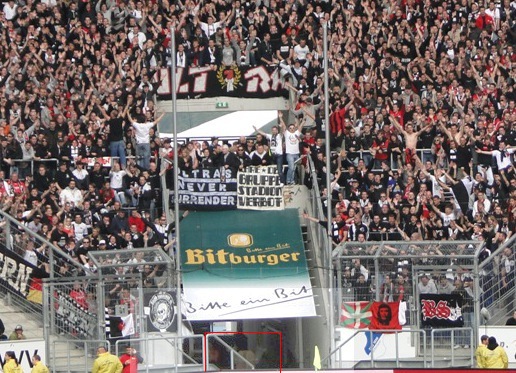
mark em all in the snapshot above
pixel 410 139
pixel 453 133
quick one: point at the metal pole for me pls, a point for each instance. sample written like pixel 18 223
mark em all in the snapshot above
pixel 475 320
pixel 176 182
pixel 328 265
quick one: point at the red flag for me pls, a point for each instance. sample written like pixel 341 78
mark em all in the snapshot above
pixel 385 316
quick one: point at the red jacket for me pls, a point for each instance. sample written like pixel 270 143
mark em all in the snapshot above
pixel 130 363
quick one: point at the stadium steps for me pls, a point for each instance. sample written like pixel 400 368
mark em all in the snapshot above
pixel 11 316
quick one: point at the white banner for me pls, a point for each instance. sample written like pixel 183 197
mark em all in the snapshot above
pixel 260 188
pixel 24 351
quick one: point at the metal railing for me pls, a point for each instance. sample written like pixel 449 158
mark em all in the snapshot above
pixel 499 300
pixel 80 361
pixel 178 344
pixel 450 334
pixel 334 359
pixel 232 352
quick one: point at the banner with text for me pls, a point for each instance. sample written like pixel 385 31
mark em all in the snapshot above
pixel 24 351
pixel 441 310
pixel 207 189
pixel 17 274
pixel 235 81
pixel 260 188
pixel 256 257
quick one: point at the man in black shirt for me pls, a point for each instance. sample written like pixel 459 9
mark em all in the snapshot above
pixel 115 125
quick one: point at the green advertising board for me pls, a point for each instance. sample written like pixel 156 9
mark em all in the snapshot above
pixel 244 265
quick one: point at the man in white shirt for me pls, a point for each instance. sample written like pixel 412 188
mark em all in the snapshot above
pixel 80 228
pixel 292 136
pixel 143 153
pixel 502 155
pixel 276 146
pixel 10 10
pixel 481 200
pixel 140 37
pixel 71 194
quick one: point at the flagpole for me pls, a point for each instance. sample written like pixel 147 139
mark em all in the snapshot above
pixel 176 182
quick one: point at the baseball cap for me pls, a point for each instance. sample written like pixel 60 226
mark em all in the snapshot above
pixel 18 327
pixel 102 242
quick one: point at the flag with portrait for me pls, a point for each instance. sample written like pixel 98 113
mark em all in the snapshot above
pixel 385 315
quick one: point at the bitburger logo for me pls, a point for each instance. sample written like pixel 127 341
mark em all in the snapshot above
pixel 229 77
pixel 162 310
pixel 240 240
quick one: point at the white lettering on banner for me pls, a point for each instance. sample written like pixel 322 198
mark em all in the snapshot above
pixel 257 78
pixel 186 199
pixel 8 270
pixel 181 88
pixel 201 79
pixel 265 303
pixel 24 351
pixel 258 190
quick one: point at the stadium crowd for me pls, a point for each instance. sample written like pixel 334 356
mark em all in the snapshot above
pixel 422 104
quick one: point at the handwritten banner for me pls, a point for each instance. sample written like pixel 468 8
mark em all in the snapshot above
pixel 208 189
pixel 256 257
pixel 260 188
pixel 441 310
pixel 235 81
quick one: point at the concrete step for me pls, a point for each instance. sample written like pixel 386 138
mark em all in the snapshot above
pixel 32 327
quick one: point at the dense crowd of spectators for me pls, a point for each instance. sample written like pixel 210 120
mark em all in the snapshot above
pixel 421 97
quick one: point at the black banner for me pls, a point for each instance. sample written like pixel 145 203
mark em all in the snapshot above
pixel 233 81
pixel 16 274
pixel 207 189
pixel 161 311
pixel 441 310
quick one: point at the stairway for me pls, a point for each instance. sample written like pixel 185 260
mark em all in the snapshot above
pixel 11 316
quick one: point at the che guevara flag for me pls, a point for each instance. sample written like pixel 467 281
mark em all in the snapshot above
pixel 385 315
pixel 356 315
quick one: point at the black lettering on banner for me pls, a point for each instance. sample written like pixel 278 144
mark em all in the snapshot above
pixel 260 188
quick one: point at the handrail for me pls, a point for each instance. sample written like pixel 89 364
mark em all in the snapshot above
pixel 87 369
pixel 169 340
pixel 511 242
pixel 453 330
pixel 52 249
pixel 338 349
pixel 231 350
